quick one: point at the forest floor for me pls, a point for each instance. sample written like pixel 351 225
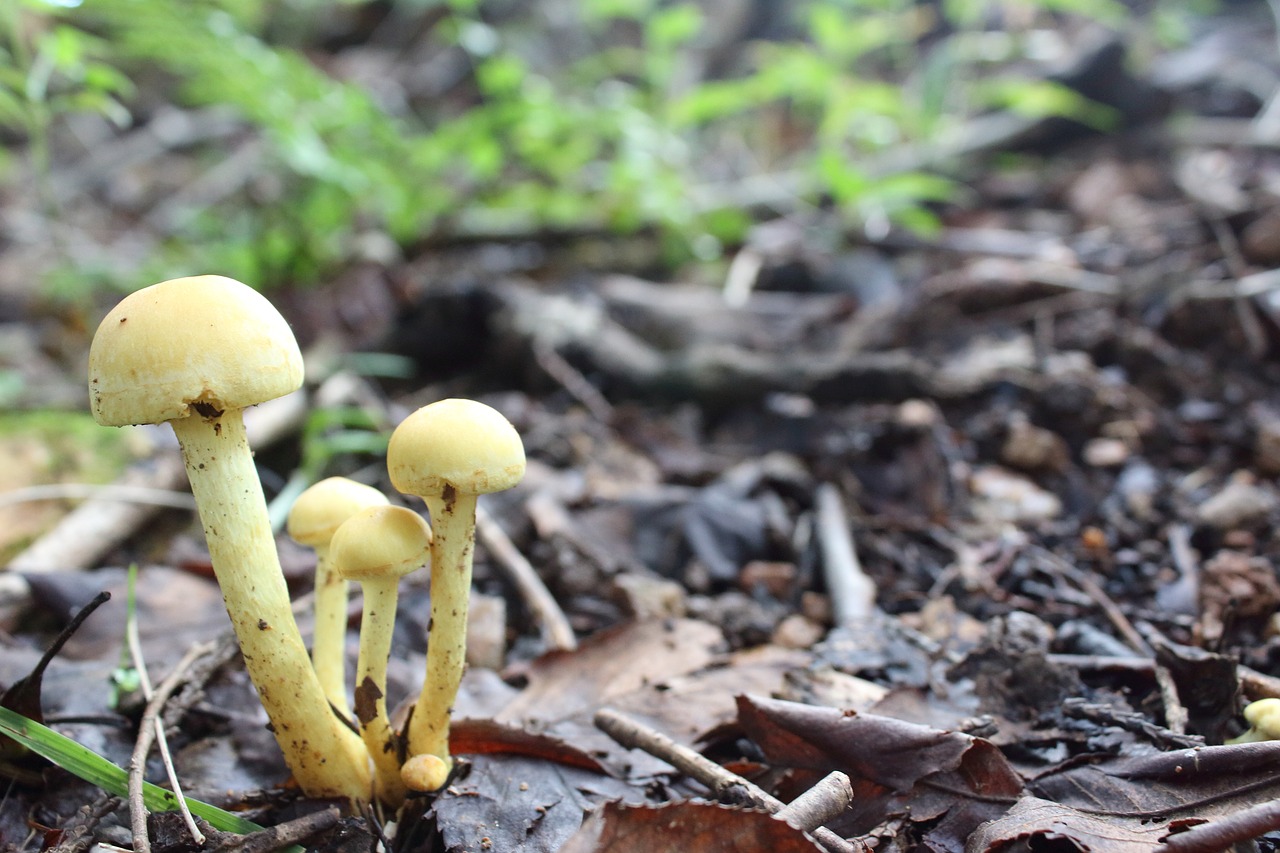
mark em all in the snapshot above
pixel 983 520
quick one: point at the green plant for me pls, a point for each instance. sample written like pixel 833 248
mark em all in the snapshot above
pixel 615 132
pixel 50 69
pixel 86 764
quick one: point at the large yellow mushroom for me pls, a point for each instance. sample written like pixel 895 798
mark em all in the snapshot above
pixel 193 353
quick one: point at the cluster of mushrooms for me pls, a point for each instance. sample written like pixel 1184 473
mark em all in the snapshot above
pixel 195 352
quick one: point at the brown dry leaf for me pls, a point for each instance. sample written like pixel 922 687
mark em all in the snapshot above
pixel 893 765
pixel 487 737
pixel 1205 782
pixel 515 804
pixel 1032 822
pixel 667 674
pixel 680 827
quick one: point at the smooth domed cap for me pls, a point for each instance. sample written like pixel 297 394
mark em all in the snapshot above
pixel 319 510
pixel 462 443
pixel 1264 715
pixel 380 542
pixel 204 339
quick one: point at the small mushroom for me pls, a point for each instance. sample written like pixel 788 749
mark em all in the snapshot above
pixel 425 772
pixel 1263 717
pixel 376 547
pixel 448 453
pixel 194 352
pixel 314 517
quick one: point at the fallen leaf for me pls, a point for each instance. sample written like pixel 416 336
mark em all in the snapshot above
pixel 1033 822
pixel 518 805
pixel 684 826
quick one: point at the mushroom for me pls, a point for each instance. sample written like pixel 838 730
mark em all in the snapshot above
pixel 425 772
pixel 1263 717
pixel 314 517
pixel 447 453
pixel 194 352
pixel 376 547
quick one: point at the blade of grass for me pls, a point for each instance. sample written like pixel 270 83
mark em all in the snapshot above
pixel 96 770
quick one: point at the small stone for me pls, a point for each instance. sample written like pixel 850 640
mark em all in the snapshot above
pixel 1033 448
pixel 1106 453
pixel 1240 503
pixel 649 597
pixel 797 632
pixel 775 577
pixel 1000 496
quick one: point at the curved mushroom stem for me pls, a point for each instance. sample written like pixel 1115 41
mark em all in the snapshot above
pixel 376 626
pixel 326 758
pixel 453 520
pixel 328 647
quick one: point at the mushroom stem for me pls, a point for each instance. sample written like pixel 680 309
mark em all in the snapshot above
pixel 380 597
pixel 328 651
pixel 453 520
pixel 326 758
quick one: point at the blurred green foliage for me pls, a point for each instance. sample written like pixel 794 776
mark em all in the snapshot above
pixel 611 132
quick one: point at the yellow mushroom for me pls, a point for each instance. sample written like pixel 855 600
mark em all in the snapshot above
pixel 315 515
pixel 376 547
pixel 448 453
pixel 193 353
pixel 1263 717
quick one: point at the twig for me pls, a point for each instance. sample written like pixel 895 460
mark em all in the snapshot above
pixel 553 624
pixel 824 801
pixel 82 536
pixel 87 533
pixel 727 786
pixel 1175 713
pixel 555 366
pixel 1252 822
pixel 151 730
pixel 276 838
pixel 78 836
pixel 122 492
pixel 1130 721
pixel 853 594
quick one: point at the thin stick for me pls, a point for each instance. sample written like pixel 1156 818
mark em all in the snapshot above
pixel 275 838
pixel 853 594
pixel 573 381
pixel 1252 822
pixel 726 785
pixel 556 631
pixel 151 730
pixel 824 801
pixel 124 493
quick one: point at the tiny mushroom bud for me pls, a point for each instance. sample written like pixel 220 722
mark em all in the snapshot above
pixel 376 547
pixel 447 453
pixel 313 519
pixel 194 352
pixel 1263 717
pixel 424 773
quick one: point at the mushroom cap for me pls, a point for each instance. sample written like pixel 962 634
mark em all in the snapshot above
pixel 461 443
pixel 1264 715
pixel 380 542
pixel 319 510
pixel 203 339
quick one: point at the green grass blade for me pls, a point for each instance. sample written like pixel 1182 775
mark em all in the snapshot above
pixel 96 770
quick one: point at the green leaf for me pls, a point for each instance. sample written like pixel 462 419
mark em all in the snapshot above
pixel 96 770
